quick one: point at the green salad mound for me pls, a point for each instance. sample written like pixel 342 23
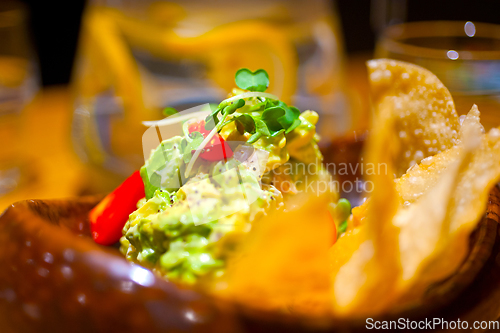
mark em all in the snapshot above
pixel 198 207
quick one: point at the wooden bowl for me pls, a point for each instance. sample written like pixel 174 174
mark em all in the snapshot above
pixel 54 278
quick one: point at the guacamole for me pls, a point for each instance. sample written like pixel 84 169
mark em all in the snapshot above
pixel 199 206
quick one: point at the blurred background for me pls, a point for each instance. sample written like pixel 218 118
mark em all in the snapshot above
pixel 78 77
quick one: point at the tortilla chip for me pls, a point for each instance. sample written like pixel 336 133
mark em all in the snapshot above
pixel 283 264
pixel 425 118
pixel 441 201
pixel 419 178
pixel 480 171
pixel 415 231
pixel 363 280
pixel 422 223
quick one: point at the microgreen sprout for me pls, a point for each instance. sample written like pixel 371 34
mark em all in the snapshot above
pixel 269 117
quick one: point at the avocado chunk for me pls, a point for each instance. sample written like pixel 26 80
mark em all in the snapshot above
pixel 162 169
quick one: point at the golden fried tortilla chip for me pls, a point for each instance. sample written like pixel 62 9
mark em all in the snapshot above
pixel 419 178
pixel 423 223
pixel 445 239
pixel 283 263
pixel 441 200
pixel 416 229
pixel 363 278
pixel 425 118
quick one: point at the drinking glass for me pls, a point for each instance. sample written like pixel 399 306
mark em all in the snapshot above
pixel 465 56
pixel 18 83
pixel 136 58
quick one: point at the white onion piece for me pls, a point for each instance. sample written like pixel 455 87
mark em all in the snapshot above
pixel 198 151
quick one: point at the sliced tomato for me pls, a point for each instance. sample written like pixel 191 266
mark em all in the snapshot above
pixel 198 126
pixel 217 149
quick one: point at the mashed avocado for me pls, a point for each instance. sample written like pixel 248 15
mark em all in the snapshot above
pixel 197 208
pixel 188 233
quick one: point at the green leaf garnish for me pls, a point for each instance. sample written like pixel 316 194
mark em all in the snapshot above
pixel 256 136
pixel 257 107
pixel 270 117
pixel 266 118
pixel 261 127
pixel 342 228
pixel 168 111
pixel 294 125
pixel 279 116
pixel 253 81
pixel 341 212
pixel 290 115
pixel 213 119
pixel 261 130
pixel 231 108
pixel 295 111
pixel 247 121
pixel 342 209
pixel 296 122
pixel 274 134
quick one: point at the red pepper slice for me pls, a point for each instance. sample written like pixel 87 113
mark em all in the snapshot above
pixel 217 149
pixel 108 218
